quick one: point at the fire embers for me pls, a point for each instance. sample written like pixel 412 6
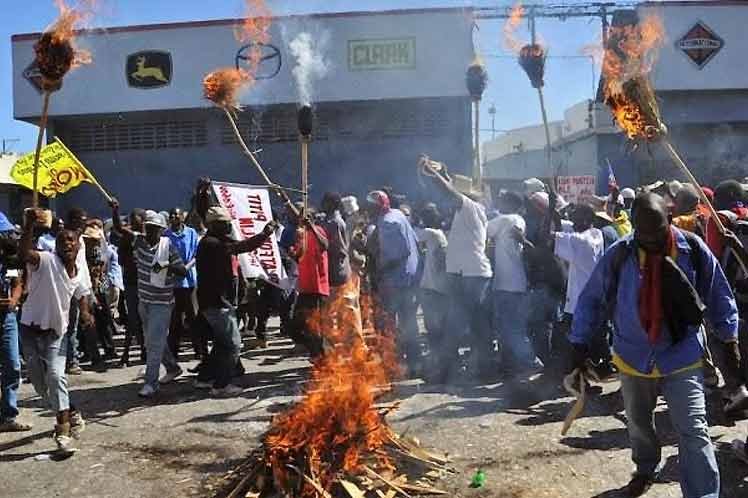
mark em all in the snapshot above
pixel 628 59
pixel 477 79
pixel 55 52
pixel 532 60
pixel 222 87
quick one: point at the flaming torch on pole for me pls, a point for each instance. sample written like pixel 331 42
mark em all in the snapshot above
pixel 55 56
pixel 305 123
pixel 477 80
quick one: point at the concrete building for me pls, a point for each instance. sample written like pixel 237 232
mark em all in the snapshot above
pixel 136 116
pixel 702 89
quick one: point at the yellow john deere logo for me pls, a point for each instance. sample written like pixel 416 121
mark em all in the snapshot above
pixel 149 69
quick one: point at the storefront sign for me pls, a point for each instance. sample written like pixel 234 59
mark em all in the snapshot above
pixel 392 54
pixel 149 69
pixel 700 44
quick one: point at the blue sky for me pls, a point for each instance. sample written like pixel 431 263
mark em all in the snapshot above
pixel 569 78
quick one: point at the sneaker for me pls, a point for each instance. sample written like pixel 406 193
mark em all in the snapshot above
pixel 229 390
pixel 737 400
pixel 63 439
pixel 74 370
pixel 639 485
pixel 77 424
pixel 140 374
pixel 147 391
pixel 740 451
pixel 14 426
pixel 170 377
pixel 202 384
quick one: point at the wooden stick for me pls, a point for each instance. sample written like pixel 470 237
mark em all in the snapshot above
pixel 282 193
pixel 546 127
pixel 387 482
pixel 305 171
pixel 39 139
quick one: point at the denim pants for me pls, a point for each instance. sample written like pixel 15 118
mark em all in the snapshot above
pixel 468 317
pixel 543 307
pixel 684 394
pixel 134 325
pixel 227 344
pixel 71 348
pixel 435 306
pixel 400 307
pixel 156 319
pixel 46 355
pixel 511 314
pixel 10 366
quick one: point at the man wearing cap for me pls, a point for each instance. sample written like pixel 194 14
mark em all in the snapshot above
pixel 395 250
pixel 216 296
pixel 159 265
pixel 469 273
pixel 628 196
pixel 10 361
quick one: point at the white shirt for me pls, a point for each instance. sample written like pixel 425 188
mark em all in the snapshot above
pixel 50 292
pixel 82 264
pixel 434 278
pixel 466 250
pixel 509 268
pixel 582 251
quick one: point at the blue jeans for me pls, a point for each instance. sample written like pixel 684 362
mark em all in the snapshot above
pixel 46 355
pixel 155 319
pixel 400 304
pixel 544 307
pixel 684 393
pixel 468 317
pixel 511 314
pixel 227 344
pixel 435 306
pixel 10 364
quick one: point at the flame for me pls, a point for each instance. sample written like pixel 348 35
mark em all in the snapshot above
pixel 222 87
pixel 56 53
pixel 336 424
pixel 511 42
pixel 627 61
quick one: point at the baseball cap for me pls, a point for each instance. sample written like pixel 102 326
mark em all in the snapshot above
pixel 154 218
pixel 628 193
pixel 533 185
pixel 217 214
pixel 379 199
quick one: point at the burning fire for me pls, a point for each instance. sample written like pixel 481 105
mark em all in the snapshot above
pixel 55 51
pixel 627 61
pixel 222 87
pixel 511 42
pixel 336 426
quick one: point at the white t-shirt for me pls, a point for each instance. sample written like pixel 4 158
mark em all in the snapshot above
pixel 582 251
pixel 508 268
pixel 466 252
pixel 50 292
pixel 434 278
pixel 82 264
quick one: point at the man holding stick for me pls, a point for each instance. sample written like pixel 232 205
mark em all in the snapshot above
pixel 657 341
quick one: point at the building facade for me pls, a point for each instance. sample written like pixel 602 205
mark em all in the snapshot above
pixel 137 118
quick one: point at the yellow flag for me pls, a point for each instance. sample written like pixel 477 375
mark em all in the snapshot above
pixel 59 170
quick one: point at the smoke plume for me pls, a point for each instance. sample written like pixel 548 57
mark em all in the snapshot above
pixel 311 65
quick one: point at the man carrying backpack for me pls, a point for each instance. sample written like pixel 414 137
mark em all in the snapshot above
pixel 659 290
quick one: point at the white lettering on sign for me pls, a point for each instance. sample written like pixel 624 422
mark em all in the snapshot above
pixel 391 54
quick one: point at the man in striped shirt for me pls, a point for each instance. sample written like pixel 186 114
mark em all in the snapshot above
pixel 159 266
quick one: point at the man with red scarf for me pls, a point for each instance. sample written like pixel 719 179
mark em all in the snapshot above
pixel 652 354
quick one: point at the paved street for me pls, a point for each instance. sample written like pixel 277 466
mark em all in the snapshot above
pixel 183 443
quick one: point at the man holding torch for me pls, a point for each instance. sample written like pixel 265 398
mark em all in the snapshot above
pixel 657 342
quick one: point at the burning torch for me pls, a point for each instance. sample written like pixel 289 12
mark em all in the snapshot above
pixel 477 80
pixel 306 124
pixel 55 56
pixel 222 88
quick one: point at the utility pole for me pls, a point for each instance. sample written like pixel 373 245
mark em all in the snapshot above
pixel 5 142
pixel 492 112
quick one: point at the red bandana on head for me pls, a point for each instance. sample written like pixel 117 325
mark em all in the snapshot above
pixel 650 293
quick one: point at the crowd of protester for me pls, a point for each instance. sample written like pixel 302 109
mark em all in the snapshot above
pixel 639 284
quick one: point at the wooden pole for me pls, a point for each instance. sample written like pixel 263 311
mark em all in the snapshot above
pixel 305 170
pixel 282 193
pixel 546 127
pixel 477 170
pixel 39 141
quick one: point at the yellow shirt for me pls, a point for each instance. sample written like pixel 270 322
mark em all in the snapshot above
pixel 627 369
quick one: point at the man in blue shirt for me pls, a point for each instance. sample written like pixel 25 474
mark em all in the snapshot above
pixel 184 239
pixel 395 249
pixel 657 348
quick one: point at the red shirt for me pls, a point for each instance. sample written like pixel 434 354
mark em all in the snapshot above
pixel 313 277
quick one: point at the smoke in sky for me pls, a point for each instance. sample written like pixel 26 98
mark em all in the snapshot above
pixel 311 65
